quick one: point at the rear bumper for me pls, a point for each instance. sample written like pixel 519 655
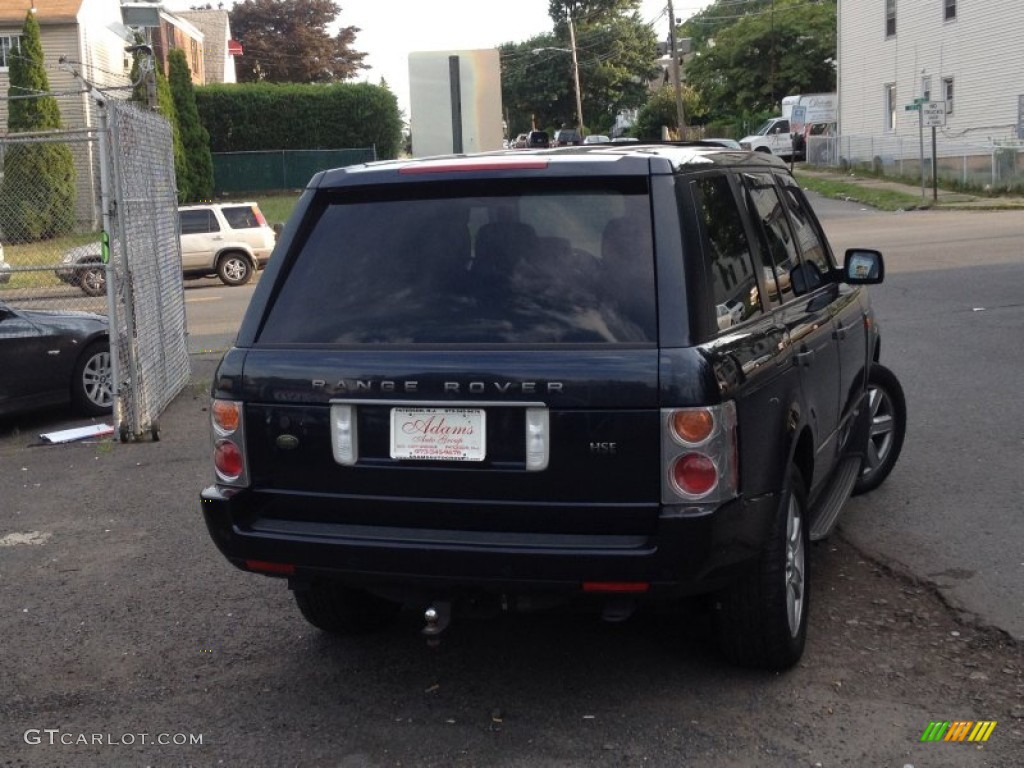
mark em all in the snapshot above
pixel 685 554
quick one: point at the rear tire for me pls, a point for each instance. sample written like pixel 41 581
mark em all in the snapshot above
pixel 234 269
pixel 92 391
pixel 888 411
pixel 761 620
pixel 342 610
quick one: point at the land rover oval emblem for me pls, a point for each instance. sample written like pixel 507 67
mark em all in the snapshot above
pixel 287 442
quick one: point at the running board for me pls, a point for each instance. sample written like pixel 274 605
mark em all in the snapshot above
pixel 832 500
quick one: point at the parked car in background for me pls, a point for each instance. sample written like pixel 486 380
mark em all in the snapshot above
pixel 227 240
pixel 83 266
pixel 596 138
pixel 49 357
pixel 810 129
pixel 520 141
pixel 727 143
pixel 538 140
pixel 567 137
pixel 5 268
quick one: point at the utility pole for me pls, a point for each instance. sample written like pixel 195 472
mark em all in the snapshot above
pixel 576 74
pixel 680 117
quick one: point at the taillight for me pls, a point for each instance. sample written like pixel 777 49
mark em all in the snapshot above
pixel 228 426
pixel 693 425
pixel 228 461
pixel 694 474
pixel 226 415
pixel 699 454
pixel 260 218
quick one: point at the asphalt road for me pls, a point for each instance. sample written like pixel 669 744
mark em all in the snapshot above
pixel 952 314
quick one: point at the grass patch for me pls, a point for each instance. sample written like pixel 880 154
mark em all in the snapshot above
pixel 883 199
pixel 34 263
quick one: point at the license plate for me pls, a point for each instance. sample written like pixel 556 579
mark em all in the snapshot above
pixel 438 434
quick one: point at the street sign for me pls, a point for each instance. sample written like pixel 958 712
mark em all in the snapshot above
pixel 933 114
pixel 912 108
pixel 920 100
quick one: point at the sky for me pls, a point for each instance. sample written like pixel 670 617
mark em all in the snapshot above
pixel 390 29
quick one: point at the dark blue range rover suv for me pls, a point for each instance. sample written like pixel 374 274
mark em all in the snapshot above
pixel 615 374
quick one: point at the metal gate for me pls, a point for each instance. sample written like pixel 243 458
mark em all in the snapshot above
pixel 145 295
pixel 109 244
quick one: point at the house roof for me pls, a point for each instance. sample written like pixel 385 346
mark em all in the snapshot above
pixel 12 12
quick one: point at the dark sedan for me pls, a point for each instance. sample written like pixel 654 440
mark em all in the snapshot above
pixel 52 357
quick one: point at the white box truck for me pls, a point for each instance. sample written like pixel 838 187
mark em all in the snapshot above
pixel 455 101
pixel 799 113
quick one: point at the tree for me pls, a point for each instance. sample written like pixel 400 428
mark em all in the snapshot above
pixel 286 41
pixel 165 106
pixel 615 51
pixel 197 181
pixel 660 111
pixel 746 63
pixel 37 197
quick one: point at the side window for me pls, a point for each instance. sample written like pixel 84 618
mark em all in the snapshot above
pixel 778 244
pixel 734 281
pixel 817 260
pixel 194 222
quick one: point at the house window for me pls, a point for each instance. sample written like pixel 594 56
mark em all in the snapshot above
pixel 950 10
pixel 947 94
pixel 926 87
pixel 9 46
pixel 890 107
pixel 890 18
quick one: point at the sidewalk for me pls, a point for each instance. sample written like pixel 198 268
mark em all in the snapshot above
pixel 947 199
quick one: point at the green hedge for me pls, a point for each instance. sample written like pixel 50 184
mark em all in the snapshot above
pixel 244 117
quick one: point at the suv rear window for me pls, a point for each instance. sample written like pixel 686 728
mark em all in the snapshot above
pixel 456 263
pixel 241 216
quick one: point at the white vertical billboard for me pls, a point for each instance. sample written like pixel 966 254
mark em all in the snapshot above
pixel 455 101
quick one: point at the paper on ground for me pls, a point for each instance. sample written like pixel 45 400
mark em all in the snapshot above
pixel 78 433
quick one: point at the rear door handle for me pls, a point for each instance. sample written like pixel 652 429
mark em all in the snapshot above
pixel 803 357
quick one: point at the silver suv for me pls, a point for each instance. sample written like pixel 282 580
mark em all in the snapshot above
pixel 227 240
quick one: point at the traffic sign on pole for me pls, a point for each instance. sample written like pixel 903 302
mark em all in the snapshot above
pixel 934 114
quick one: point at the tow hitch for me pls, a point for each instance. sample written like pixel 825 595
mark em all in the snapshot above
pixel 437 617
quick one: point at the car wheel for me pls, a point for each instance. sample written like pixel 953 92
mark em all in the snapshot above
pixel 92 279
pixel 234 269
pixel 342 610
pixel 888 410
pixel 92 391
pixel 761 619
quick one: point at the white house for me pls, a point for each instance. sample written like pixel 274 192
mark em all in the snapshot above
pixel 965 53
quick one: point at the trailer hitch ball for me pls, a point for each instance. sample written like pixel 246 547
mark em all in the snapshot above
pixel 437 618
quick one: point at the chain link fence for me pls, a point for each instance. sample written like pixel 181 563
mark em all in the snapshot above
pixel 88 222
pixel 985 166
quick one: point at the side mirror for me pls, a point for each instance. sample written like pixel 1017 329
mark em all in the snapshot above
pixel 863 266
